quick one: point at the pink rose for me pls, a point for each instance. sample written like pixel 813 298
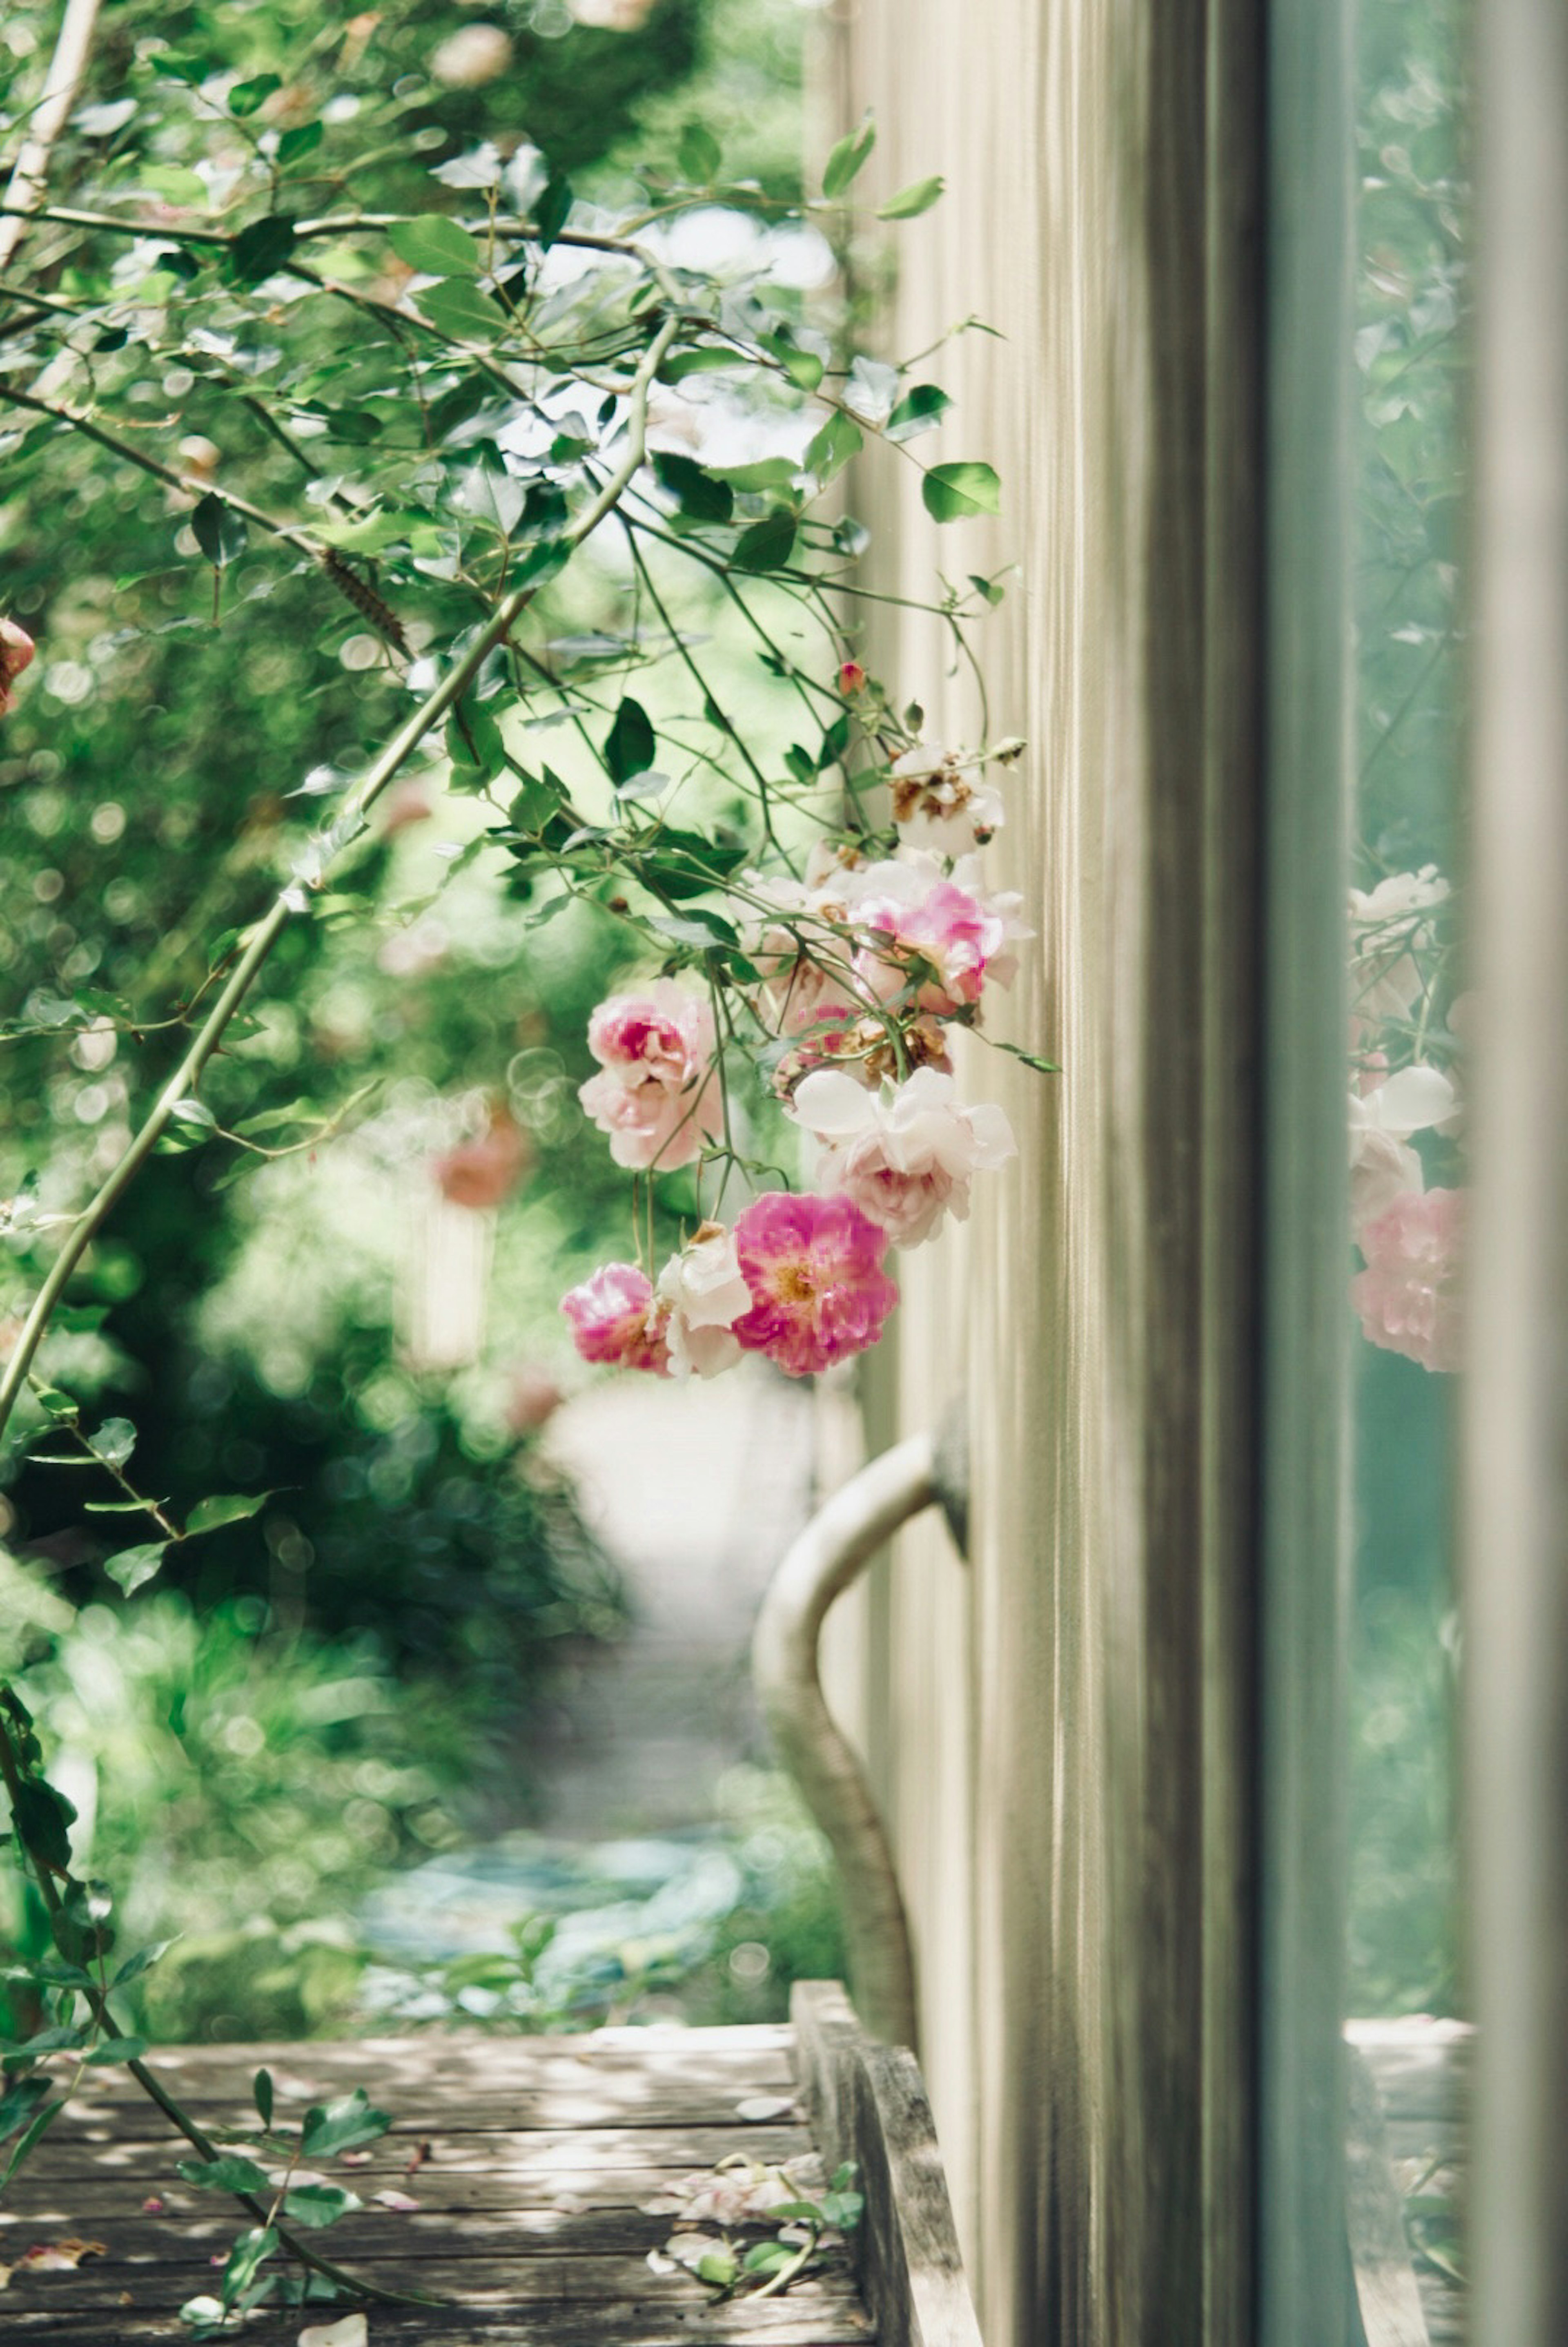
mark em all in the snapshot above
pixel 664 1033
pixel 16 651
pixel 616 1318
pixel 814 1269
pixel 657 1095
pixel 1408 1296
pixel 953 931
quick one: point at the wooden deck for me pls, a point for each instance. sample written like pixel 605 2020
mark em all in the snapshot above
pixel 1416 2131
pixel 530 2161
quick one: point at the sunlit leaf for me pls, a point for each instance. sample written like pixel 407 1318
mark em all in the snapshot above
pixel 436 246
pixel 954 492
pixel 847 156
pixel 911 201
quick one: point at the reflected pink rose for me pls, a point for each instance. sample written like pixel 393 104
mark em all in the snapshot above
pixel 1409 1296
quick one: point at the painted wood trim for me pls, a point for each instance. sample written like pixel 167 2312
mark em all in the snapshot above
pixel 867 2103
pixel 1305 1549
pixel 1515 1567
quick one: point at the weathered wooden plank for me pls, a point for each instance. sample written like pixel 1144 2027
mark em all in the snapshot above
pixel 60 2201
pixel 627 2100
pixel 303 2071
pixel 868 2105
pixel 1423 2067
pixel 1386 2288
pixel 496 2281
pixel 776 2322
pixel 69 2148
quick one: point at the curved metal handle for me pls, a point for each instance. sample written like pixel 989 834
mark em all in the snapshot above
pixel 835 1547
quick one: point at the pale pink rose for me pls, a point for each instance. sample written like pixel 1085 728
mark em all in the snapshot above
pixel 483 1171
pixel 947 919
pixel 657 1095
pixel 17 651
pixel 702 1294
pixel 1409 1296
pixel 904 1155
pixel 814 1269
pixel 616 1318
pixel 649 1124
pixel 1384 1112
pixel 662 1032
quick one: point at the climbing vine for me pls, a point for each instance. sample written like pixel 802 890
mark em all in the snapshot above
pixel 461 418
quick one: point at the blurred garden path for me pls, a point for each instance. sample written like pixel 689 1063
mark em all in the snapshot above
pixel 696 1490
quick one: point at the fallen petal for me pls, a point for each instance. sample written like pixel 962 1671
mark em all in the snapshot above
pixel 765 2106
pixel 391 2199
pixel 352 2331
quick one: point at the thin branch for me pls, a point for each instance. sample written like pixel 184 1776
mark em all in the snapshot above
pixel 61 83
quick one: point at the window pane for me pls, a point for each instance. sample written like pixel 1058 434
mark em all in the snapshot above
pixel 1408 1088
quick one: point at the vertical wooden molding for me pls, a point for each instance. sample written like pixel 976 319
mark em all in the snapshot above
pixel 1516 1397
pixel 1303 2265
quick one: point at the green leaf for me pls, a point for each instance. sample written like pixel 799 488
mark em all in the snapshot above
pixel 954 492
pixel 250 97
pixel 262 2087
pixel 133 1568
pixel 629 745
pixel 218 530
pixel 116 2049
pixel 342 2126
pixel 920 410
pixel 43 2121
pixel 58 1407
pixel 232 2173
pixel 910 202
pixel 840 439
pixel 698 155
pixel 767 545
pixel 847 156
pixel 317 2205
pixel 262 249
pixel 804 368
pixel 114 1441
pixel 143 1961
pixel 302 140
pixel 707 358
pixel 475 745
pixel 455 306
pixel 436 246
pixel 719 2268
pixel 43 1819
pixel 553 209
pixel 224 1508
pixel 768 473
pixel 766 2257
pixel 701 497
pixel 20 2102
pixel 246 2259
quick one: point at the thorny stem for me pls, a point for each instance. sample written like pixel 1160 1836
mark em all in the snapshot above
pixel 182 1084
